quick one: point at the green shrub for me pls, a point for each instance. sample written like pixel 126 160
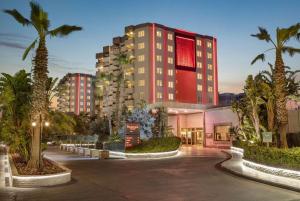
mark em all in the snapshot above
pixel 156 145
pixel 284 158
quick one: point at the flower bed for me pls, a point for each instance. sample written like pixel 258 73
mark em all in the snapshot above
pixel 21 166
pixel 155 145
pixel 282 158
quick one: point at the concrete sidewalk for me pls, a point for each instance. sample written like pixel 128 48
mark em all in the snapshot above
pixel 235 166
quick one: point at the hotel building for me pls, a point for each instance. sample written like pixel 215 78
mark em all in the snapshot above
pixel 171 67
pixel 76 93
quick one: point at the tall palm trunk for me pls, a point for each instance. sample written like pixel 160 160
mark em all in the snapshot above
pixel 256 121
pixel 271 115
pixel 280 101
pixel 118 102
pixel 39 98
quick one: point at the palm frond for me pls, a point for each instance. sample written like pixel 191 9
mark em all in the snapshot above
pixel 290 50
pixel 39 17
pixel 18 17
pixel 285 34
pixel 30 47
pixel 64 30
pixel 258 57
pixel 262 35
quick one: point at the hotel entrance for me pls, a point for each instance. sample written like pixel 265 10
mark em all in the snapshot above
pixel 191 136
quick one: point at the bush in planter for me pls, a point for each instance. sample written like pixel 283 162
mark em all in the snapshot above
pixel 293 139
pixel 156 145
pixel 284 158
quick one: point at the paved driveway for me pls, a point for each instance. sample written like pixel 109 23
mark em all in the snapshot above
pixel 186 178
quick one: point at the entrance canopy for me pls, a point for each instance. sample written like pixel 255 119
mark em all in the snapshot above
pixel 181 108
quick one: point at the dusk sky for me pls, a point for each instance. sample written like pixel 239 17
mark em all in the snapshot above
pixel 231 22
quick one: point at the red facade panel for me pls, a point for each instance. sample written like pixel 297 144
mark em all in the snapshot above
pixel 185 52
pixel 186 86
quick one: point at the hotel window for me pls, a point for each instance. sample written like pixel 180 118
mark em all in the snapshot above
pixel 171 96
pixel 81 84
pixel 199 42
pixel 199 64
pixel 81 78
pixel 81 97
pixel 81 103
pixel 199 87
pixel 141 83
pixel 159 83
pixel 88 103
pixel 141 70
pixel 209 44
pixel 141 45
pixel 88 79
pixel 170 84
pixel 158 58
pixel 88 110
pixel 158 33
pixel 199 76
pixel 89 85
pixel 158 46
pixel 170 37
pixel 73 78
pixel 170 72
pixel 209 55
pixel 141 95
pixel 88 97
pixel 88 91
pixel 170 60
pixel 159 95
pixel 141 58
pixel 199 54
pixel 221 132
pixel 209 77
pixel 159 71
pixel 209 66
pixel 210 89
pixel 170 48
pixel 141 34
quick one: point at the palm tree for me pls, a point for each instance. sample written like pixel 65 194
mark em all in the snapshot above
pixel 252 91
pixel 52 89
pixel 123 61
pixel 15 93
pixel 40 22
pixel 283 35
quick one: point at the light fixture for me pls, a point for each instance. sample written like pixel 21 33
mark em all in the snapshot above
pixel 33 124
pixel 47 124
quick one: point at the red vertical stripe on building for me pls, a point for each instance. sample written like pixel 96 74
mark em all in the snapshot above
pixel 84 92
pixel 152 64
pixel 216 92
pixel 165 96
pixel 204 66
pixel 77 94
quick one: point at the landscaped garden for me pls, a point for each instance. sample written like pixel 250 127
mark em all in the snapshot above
pixel 263 109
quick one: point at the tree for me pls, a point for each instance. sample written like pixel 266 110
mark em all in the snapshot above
pixel 123 61
pixel 61 124
pixel 283 35
pixel 40 22
pixel 52 89
pixel 15 93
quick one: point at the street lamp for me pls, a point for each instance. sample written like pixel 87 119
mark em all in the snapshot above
pixel 47 124
pixel 33 124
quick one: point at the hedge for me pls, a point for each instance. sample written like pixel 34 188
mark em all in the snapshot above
pixel 283 158
pixel 156 145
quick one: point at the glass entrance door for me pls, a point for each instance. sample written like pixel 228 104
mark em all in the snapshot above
pixel 192 136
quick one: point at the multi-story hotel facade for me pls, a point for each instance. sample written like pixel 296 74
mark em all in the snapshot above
pixel 76 93
pixel 171 67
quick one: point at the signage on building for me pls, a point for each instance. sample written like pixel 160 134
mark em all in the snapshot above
pixel 132 134
pixel 267 136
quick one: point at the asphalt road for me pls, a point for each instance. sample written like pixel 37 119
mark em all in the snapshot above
pixel 188 178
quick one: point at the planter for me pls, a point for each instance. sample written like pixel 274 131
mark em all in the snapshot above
pixel 30 181
pixel 95 153
pixel 103 154
pixel 86 152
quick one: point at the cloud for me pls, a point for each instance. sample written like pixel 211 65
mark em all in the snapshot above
pixel 12 45
pixel 7 35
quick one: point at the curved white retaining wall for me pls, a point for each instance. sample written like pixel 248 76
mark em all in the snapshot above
pixel 272 170
pixel 30 181
pixel 266 168
pixel 144 155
